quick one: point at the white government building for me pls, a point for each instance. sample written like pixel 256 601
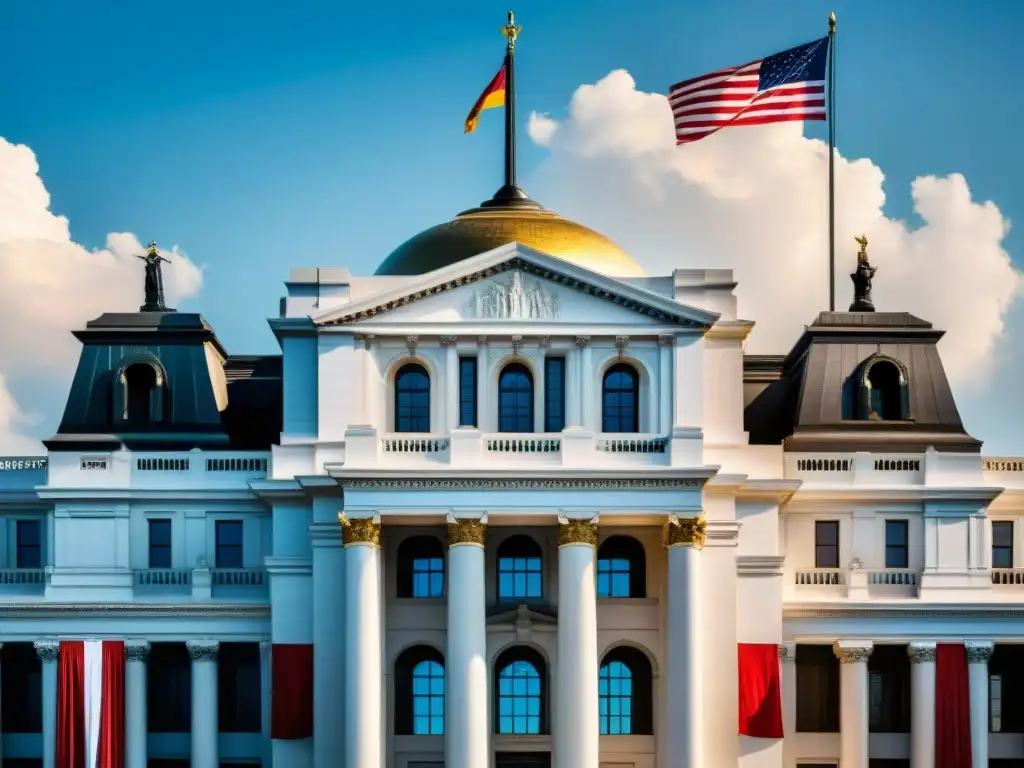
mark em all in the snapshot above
pixel 511 502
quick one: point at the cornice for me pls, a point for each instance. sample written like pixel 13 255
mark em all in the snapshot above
pixel 759 565
pixel 810 493
pixel 959 611
pixel 149 494
pixel 136 610
pixel 730 329
pixel 517 480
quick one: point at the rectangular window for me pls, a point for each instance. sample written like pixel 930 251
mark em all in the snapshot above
pixel 467 392
pixel 554 394
pixel 1002 544
pixel 817 689
pixel 238 688
pixel 159 543
pixel 889 689
pixel 229 544
pixel 30 550
pixel 826 544
pixel 896 555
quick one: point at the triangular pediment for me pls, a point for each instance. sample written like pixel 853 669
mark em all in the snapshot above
pixel 514 282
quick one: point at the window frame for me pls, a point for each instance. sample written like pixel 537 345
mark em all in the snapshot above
pixel 622 548
pixel 520 654
pixel 223 525
pixel 20 547
pixel 169 546
pixel 554 393
pixel 468 398
pixel 404 690
pixel 904 548
pixel 634 390
pixel 417 548
pixel 1003 525
pixel 819 548
pixel 521 543
pixel 419 420
pixel 527 419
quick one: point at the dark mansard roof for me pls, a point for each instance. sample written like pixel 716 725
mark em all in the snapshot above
pixel 209 399
pixel 809 400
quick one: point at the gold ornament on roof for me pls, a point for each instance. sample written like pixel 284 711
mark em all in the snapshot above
pixel 510 31
pixel 862 241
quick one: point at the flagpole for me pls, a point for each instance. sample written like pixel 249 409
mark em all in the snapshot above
pixel 831 163
pixel 510 32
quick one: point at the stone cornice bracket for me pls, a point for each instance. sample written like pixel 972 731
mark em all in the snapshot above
pixel 666 340
pixel 467 531
pixel 852 653
pixel 622 345
pixel 202 650
pixel 136 650
pixel 411 343
pixel 481 341
pixel 366 338
pixel 574 531
pixel 685 532
pixel 517 344
pixel 360 531
pixel 921 653
pixel 582 341
pixel 978 652
pixel 544 342
pixel 48 651
pixel 448 341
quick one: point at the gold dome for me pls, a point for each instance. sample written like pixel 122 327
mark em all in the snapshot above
pixel 482 229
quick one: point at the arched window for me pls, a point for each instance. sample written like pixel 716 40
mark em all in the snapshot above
pixel 521 692
pixel 412 399
pixel 421 567
pixel 620 399
pixel 520 572
pixel 419 692
pixel 515 399
pixel 625 701
pixel 139 392
pixel 621 568
pixel 885 397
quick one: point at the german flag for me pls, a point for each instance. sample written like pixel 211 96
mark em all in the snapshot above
pixel 493 96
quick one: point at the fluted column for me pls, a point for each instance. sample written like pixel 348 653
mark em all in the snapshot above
pixel 48 652
pixel 204 702
pixel 363 695
pixel 576 717
pixel 922 704
pixel 583 376
pixel 978 655
pixel 853 702
pixel 467 725
pixel 684 538
pixel 787 658
pixel 136 723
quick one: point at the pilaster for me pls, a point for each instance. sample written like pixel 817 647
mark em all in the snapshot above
pixel 978 656
pixel 853 702
pixel 922 704
pixel 204 702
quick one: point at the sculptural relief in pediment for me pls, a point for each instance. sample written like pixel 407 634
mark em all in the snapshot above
pixel 513 296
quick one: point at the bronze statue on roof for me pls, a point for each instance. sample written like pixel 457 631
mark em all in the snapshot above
pixel 862 279
pixel 154 280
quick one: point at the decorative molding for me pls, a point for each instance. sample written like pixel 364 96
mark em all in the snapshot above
pixel 136 610
pixel 325 534
pixel 978 653
pixel 514 298
pixel 202 650
pixel 360 531
pixel 544 342
pixel 685 532
pixel 136 650
pixel 622 345
pixel 367 339
pixel 582 341
pixel 517 344
pixel 448 341
pixel 807 612
pixel 466 531
pixel 48 651
pixel 481 341
pixel 921 653
pixel 759 565
pixel 852 654
pixel 572 532
pixel 666 340
pixel 495 484
pixel 411 343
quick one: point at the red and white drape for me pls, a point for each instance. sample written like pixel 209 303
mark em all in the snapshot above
pixel 90 704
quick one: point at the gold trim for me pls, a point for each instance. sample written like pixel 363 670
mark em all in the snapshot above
pixel 686 532
pixel 358 531
pixel 467 532
pixel 577 532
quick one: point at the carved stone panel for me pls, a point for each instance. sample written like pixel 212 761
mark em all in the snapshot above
pixel 511 296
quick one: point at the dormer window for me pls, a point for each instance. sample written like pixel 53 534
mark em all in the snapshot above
pixel 139 385
pixel 882 394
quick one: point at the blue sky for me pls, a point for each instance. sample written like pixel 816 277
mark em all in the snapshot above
pixel 262 135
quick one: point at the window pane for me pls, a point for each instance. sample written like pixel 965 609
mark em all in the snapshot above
pixel 519 694
pixel 515 399
pixel 229 544
pixel 554 394
pixel 428 577
pixel 467 392
pixel 612 578
pixel 620 400
pixel 826 544
pixel 412 400
pixel 1002 544
pixel 519 577
pixel 160 533
pixel 896 533
pixel 428 698
pixel 615 698
pixel 30 553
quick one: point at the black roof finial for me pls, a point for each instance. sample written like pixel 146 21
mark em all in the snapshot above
pixel 154 281
pixel 862 279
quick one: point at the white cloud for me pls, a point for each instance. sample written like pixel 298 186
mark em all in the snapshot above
pixel 51 285
pixel 755 200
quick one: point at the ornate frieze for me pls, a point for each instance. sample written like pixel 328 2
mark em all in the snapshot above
pixel 577 532
pixel 136 650
pixel 921 654
pixel 686 532
pixel 359 530
pixel 202 650
pixel 978 653
pixel 544 342
pixel 852 654
pixel 48 651
pixel 582 341
pixel 493 484
pixel 467 532
pixel 514 298
pixel 447 341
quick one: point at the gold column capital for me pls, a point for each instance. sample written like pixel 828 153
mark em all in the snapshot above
pixel 576 532
pixel 466 531
pixel 359 531
pixel 685 532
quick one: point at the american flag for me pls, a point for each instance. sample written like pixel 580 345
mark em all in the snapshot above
pixel 786 86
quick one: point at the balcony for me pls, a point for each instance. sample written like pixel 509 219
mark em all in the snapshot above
pixel 854 584
pixel 126 469
pixel 22 581
pixel 870 469
pixel 1007 577
pixel 224 584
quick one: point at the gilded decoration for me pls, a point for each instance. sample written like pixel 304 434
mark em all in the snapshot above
pixel 467 532
pixel 360 530
pixel 921 654
pixel 852 654
pixel 577 532
pixel 978 654
pixel 686 532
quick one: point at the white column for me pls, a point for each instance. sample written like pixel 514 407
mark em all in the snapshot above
pixel 583 380
pixel 136 722
pixel 665 344
pixel 787 658
pixel 483 390
pixel 48 652
pixel 451 384
pixel 684 537
pixel 328 645
pixel 363 699
pixel 576 716
pixel 467 706
pixel 204 703
pixel 853 702
pixel 267 753
pixel 978 655
pixel 922 704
